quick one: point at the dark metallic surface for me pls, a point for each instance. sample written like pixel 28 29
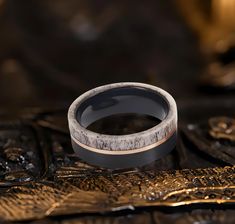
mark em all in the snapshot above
pixel 22 157
pixel 126 160
pixel 122 100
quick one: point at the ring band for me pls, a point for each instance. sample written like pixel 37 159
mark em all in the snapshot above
pixel 123 151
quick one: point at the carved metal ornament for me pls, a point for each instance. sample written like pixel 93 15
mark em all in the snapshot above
pixel 76 192
pixel 69 186
pixel 214 138
pixel 222 128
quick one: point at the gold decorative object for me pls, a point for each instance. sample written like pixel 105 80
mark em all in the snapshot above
pixel 222 128
pixel 213 21
pixel 75 191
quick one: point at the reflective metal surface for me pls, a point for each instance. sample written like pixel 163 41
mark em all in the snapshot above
pixel 71 186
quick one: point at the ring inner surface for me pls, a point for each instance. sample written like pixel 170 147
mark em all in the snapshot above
pixel 120 101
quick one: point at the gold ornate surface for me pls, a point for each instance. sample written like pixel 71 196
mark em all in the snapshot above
pixel 73 192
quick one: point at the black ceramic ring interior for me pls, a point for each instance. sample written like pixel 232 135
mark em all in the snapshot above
pixel 123 151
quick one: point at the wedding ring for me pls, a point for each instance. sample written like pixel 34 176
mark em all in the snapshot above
pixel 123 151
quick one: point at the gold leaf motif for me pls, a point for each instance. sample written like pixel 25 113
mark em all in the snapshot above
pixel 73 193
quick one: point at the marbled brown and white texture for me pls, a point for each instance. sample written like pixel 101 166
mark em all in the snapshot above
pixel 160 132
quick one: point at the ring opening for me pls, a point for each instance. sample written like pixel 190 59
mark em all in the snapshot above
pixel 122 100
pixel 123 124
